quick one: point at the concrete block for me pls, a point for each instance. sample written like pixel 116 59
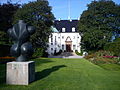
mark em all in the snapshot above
pixel 20 73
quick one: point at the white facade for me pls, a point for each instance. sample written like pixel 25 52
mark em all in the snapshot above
pixel 64 41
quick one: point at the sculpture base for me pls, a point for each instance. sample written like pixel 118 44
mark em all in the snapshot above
pixel 20 73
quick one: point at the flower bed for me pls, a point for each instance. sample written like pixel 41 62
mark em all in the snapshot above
pixel 103 57
pixel 6 59
pixel 110 56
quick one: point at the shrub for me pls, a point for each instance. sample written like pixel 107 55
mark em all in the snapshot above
pixel 113 47
pixel 4 50
pixel 102 57
pixel 65 51
pixel 58 53
pixel 45 54
pixel 104 53
pixel 101 60
pixel 76 51
pixel 6 59
pixel 89 56
pixel 38 52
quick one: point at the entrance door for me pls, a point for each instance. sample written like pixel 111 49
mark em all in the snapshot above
pixel 68 47
pixel 68 44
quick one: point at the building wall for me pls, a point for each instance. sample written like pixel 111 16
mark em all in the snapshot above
pixel 57 42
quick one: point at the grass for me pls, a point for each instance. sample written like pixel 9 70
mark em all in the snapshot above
pixel 68 74
pixel 112 67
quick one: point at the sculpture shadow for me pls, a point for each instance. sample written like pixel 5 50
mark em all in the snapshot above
pixel 44 73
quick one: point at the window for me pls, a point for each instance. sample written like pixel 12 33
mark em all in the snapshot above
pixel 74 47
pixel 51 49
pixel 55 48
pixel 62 47
pixel 73 37
pixel 62 37
pixel 51 43
pixel 55 40
pixel 55 43
pixel 63 29
pixel 73 29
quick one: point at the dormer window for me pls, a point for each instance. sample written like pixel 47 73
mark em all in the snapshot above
pixel 73 29
pixel 63 29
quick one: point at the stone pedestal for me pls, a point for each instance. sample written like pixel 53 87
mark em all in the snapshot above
pixel 20 73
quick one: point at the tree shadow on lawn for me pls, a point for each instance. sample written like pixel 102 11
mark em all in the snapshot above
pixel 44 73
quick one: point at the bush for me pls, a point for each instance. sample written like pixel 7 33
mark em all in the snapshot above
pixel 104 53
pixel 80 54
pixel 4 50
pixel 89 56
pixel 113 47
pixel 6 59
pixel 45 54
pixel 58 53
pixel 101 57
pixel 38 52
pixel 101 60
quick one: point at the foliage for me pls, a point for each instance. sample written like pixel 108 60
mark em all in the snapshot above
pixel 103 57
pixel 6 59
pixel 98 23
pixel 104 53
pixel 113 47
pixel 68 74
pixel 4 50
pixel 90 56
pixel 3 38
pixel 7 11
pixel 40 52
pixel 80 54
pixel 38 14
pixel 58 53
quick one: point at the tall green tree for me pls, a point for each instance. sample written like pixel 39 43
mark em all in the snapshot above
pixel 39 15
pixel 7 10
pixel 98 24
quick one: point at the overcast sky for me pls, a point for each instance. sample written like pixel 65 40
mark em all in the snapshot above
pixel 60 7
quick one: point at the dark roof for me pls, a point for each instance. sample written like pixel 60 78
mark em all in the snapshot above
pixel 67 24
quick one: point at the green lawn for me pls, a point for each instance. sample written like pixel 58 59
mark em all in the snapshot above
pixel 68 74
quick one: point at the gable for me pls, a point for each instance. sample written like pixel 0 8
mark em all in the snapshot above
pixel 68 39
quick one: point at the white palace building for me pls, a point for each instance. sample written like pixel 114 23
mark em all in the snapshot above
pixel 64 37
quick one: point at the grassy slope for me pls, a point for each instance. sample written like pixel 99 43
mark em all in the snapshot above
pixel 69 74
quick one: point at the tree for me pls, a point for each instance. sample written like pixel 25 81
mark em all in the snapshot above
pixel 7 11
pixel 98 24
pixel 113 47
pixel 39 15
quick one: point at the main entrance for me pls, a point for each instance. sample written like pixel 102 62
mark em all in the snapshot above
pixel 68 47
pixel 68 44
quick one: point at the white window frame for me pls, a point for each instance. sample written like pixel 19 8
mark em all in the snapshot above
pixel 73 29
pixel 63 29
